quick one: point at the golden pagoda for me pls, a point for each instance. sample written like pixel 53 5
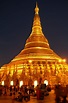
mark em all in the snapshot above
pixel 36 62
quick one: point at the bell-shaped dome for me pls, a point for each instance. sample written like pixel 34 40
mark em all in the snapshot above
pixel 36 45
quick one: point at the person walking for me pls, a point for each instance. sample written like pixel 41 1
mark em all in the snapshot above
pixel 57 93
pixel 38 92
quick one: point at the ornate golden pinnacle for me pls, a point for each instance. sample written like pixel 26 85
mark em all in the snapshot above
pixel 36 9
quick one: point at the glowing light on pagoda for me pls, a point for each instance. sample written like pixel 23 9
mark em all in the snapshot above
pixel 21 83
pixel 11 83
pixel 35 83
pixel 30 61
pixel 60 60
pixel 64 60
pixel 46 82
pixel 2 83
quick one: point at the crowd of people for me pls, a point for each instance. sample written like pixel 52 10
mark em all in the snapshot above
pixel 17 93
pixel 23 93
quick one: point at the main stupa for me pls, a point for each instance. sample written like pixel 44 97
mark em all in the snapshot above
pixel 36 62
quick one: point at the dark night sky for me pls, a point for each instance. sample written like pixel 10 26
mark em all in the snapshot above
pixel 16 18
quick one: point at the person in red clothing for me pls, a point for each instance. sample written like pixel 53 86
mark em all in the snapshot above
pixel 38 92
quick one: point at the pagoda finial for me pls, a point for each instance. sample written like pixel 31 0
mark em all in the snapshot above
pixel 36 29
pixel 36 9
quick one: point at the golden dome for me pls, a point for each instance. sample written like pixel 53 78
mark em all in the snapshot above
pixel 37 45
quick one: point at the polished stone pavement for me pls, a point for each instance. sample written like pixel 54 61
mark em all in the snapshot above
pixel 47 99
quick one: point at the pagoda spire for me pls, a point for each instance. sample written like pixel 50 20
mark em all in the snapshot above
pixel 36 9
pixel 36 38
pixel 36 29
